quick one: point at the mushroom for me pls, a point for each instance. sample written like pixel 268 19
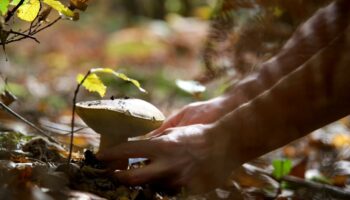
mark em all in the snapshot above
pixel 119 119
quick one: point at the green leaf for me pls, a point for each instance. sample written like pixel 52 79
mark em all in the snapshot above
pixel 29 10
pixel 118 75
pixel 93 83
pixel 281 167
pixel 4 6
pixel 57 5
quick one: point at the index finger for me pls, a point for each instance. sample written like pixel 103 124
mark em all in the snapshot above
pixel 172 121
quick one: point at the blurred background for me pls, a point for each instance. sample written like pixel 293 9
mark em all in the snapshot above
pixel 158 42
pixel 155 42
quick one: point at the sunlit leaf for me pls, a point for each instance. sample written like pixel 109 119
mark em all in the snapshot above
pixel 4 6
pixel 29 10
pixel 57 5
pixel 93 83
pixel 119 75
pixel 281 167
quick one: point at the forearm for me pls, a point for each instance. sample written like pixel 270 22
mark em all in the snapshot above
pixel 313 35
pixel 315 94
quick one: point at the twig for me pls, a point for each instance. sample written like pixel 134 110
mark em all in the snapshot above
pixel 333 191
pixel 13 11
pixel 47 26
pixel 25 35
pixel 33 33
pixel 40 131
pixel 73 115
pixel 66 132
pixel 36 18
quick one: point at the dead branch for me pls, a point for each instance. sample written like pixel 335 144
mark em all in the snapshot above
pixel 333 191
pixel 16 115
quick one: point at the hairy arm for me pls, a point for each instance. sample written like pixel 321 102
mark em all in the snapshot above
pixel 201 157
pixel 308 98
pixel 311 37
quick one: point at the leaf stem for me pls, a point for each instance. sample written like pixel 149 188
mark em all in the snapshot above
pixel 73 115
pixel 25 35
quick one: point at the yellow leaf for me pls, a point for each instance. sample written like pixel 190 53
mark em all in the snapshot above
pixel 119 75
pixel 29 10
pixel 93 84
pixel 57 5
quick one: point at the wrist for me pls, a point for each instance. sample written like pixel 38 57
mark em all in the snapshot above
pixel 219 139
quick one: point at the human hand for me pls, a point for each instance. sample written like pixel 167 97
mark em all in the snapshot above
pixel 203 112
pixel 183 157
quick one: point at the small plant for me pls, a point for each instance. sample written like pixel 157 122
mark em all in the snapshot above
pixel 35 14
pixel 281 168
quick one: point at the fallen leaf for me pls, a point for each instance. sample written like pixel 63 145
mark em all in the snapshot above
pixel 341 140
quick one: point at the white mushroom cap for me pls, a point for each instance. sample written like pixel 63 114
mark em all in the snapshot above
pixel 118 119
pixel 132 107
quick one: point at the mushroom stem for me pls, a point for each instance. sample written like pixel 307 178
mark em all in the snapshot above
pixel 107 143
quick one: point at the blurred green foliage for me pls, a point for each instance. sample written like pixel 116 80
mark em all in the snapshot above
pixel 13 140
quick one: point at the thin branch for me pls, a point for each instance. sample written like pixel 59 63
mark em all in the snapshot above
pixel 15 40
pixel 66 132
pixel 40 131
pixel 25 35
pixel 34 31
pixel 13 11
pixel 73 115
pixel 47 26
pixel 36 18
pixel 36 26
